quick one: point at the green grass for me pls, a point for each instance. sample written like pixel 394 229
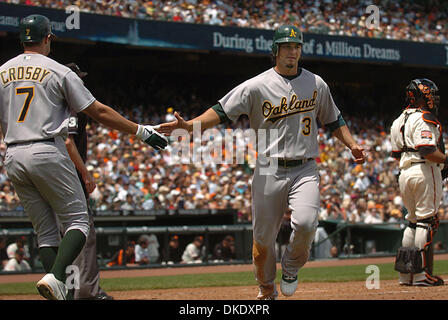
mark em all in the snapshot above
pixel 321 274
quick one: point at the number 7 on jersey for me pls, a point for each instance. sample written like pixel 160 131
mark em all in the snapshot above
pixel 29 91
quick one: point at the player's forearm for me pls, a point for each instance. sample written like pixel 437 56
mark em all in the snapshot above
pixel 436 156
pixel 343 135
pixel 110 118
pixel 75 156
pixel 207 120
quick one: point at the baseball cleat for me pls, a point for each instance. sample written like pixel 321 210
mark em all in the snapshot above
pixel 51 288
pixel 430 281
pixel 267 293
pixel 405 279
pixel 288 285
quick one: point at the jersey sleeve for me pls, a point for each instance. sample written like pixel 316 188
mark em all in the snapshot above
pixel 77 95
pixel 424 134
pixel 327 111
pixel 237 102
pixel 394 140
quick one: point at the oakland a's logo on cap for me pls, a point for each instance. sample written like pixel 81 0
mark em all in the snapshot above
pixel 293 34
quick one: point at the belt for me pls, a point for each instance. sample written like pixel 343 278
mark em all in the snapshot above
pixel 419 162
pixel 32 141
pixel 292 163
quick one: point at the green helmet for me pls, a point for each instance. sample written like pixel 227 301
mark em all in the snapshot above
pixel 286 33
pixel 34 28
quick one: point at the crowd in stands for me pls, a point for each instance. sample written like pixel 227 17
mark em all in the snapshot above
pixel 130 176
pixel 15 253
pixel 414 20
pixel 14 256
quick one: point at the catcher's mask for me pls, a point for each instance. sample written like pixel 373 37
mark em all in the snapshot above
pixel 423 90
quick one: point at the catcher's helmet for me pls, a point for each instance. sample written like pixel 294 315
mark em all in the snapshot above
pixel 286 33
pixel 423 90
pixel 74 67
pixel 34 28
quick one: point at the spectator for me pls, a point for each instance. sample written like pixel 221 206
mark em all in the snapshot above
pixel 372 215
pixel 225 250
pixel 124 256
pixel 147 250
pixel 18 262
pixel 3 255
pixel 442 214
pixel 169 115
pixel 18 244
pixel 128 205
pixel 334 252
pixel 395 216
pixel 400 20
pixel 362 182
pixel 174 252
pixel 195 251
pixel 438 246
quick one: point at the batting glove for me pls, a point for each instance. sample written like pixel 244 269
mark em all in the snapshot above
pixel 151 137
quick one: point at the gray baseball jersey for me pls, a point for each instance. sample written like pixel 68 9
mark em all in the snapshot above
pixel 290 106
pixel 30 80
pixel 37 95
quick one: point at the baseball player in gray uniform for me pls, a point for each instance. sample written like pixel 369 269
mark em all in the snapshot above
pixel 416 138
pixel 37 95
pixel 289 100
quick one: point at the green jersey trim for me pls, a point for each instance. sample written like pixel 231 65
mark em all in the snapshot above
pixel 221 113
pixel 336 124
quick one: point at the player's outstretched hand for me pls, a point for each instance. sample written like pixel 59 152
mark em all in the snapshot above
pixel 151 137
pixel 359 154
pixel 168 127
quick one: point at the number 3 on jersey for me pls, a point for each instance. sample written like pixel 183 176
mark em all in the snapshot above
pixel 29 91
pixel 306 126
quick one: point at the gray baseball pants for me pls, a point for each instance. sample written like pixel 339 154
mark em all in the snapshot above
pixel 45 179
pixel 272 194
pixel 89 277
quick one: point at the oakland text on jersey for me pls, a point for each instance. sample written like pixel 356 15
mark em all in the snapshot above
pixel 29 73
pixel 274 113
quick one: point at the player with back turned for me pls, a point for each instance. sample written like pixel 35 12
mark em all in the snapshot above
pixel 417 142
pixel 290 100
pixel 37 96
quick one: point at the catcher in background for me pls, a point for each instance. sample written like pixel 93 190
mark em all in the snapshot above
pixel 417 143
pixel 87 263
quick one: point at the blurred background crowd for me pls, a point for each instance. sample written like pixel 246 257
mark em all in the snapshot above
pixel 414 20
pixel 131 176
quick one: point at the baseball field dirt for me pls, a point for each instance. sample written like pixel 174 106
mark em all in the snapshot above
pixel 355 290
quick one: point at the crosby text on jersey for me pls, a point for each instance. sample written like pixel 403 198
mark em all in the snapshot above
pixel 20 73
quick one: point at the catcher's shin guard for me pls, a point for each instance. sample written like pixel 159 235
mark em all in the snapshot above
pixel 424 236
pixel 408 258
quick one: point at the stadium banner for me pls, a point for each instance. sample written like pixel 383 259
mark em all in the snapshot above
pixel 197 37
